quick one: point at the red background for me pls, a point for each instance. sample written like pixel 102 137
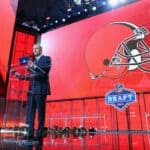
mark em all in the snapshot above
pixel 7 19
pixel 67 46
pixel 69 79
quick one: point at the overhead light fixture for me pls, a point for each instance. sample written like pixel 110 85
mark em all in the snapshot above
pixel 113 2
pixel 51 24
pixel 48 18
pixel 78 2
pixel 94 8
pixel 85 9
pixel 69 9
pixel 44 26
pixel 123 1
pixel 56 21
pixel 63 19
pixel 103 3
pixel 86 2
pixel 117 2
pixel 78 12
pixel 68 16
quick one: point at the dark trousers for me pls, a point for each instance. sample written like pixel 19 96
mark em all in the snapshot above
pixel 35 102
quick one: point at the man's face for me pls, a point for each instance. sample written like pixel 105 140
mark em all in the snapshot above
pixel 37 50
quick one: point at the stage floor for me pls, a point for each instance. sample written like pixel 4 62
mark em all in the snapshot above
pixel 112 141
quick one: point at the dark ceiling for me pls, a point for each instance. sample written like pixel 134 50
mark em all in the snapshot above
pixel 44 15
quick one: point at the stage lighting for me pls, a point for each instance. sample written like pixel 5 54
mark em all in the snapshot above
pixel 103 3
pixel 86 2
pixel 113 2
pixel 69 9
pixel 123 1
pixel 85 9
pixel 68 16
pixel 63 20
pixel 94 8
pixel 78 12
pixel 78 2
pixel 116 2
pixel 48 18
pixel 56 21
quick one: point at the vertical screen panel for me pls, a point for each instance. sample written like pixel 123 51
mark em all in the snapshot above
pixel 122 120
pixel 69 48
pixel 23 43
pixel 82 47
pixel 7 21
pixel 135 118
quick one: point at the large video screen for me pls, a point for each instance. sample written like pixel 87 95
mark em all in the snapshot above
pixel 7 20
pixel 91 56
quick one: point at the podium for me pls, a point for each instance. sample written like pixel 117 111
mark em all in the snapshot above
pixel 13 127
pixel 15 112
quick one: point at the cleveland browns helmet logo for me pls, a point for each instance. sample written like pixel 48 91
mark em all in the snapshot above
pixel 117 48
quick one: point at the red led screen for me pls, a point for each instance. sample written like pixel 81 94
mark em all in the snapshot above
pixel 7 20
pixel 90 45
pixel 23 43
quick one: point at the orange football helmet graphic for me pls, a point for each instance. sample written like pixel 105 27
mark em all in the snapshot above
pixel 117 48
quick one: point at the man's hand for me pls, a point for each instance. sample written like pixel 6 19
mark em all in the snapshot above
pixel 30 64
pixel 18 75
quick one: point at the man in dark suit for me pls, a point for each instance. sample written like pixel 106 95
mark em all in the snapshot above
pixel 39 88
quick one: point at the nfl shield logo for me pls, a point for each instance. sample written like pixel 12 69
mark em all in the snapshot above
pixel 120 97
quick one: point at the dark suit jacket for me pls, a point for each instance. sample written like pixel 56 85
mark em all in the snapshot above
pixel 39 76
